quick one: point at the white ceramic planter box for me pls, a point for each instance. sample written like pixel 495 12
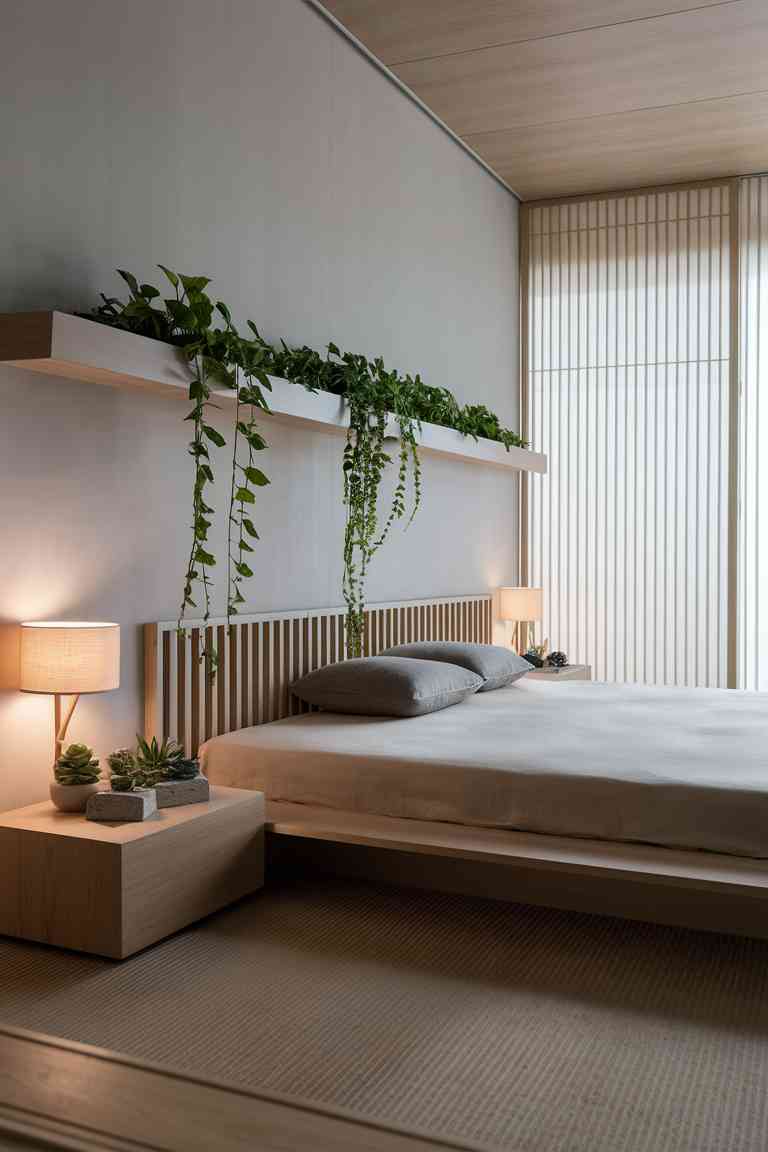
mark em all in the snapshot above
pixel 72 347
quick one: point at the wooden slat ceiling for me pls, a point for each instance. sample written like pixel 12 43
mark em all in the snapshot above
pixel 570 96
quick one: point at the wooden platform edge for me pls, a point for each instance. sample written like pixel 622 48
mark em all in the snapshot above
pixel 707 871
pixel 63 1094
pixel 680 889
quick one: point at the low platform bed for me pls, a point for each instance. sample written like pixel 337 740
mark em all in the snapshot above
pixel 582 780
pixel 704 890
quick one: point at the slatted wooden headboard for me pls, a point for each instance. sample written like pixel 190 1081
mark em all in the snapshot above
pixel 259 656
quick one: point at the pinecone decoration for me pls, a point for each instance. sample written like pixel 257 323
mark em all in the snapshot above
pixel 558 659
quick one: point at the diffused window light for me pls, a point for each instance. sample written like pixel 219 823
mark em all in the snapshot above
pixel 521 606
pixel 68 658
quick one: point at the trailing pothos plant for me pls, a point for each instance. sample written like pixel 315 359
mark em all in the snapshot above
pixel 374 394
pixel 220 356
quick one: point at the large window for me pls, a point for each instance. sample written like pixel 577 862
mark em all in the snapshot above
pixel 630 393
pixel 752 566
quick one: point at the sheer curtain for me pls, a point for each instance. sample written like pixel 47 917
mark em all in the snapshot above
pixel 753 429
pixel 628 392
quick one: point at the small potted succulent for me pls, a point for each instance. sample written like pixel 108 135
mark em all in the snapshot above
pixel 177 778
pixel 131 795
pixel 76 778
pixel 122 770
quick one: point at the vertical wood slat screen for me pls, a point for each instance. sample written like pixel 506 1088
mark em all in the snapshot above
pixel 628 329
pixel 259 657
pixel 753 430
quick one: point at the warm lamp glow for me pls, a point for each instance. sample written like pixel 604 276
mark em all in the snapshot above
pixel 69 657
pixel 521 604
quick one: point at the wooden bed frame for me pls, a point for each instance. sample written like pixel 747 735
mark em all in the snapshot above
pixel 258 659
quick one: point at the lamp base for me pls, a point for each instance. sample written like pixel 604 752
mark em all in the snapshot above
pixel 72 797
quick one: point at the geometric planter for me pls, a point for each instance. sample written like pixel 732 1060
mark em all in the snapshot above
pixel 122 806
pixel 172 793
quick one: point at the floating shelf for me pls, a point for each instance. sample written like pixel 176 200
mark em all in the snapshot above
pixel 59 344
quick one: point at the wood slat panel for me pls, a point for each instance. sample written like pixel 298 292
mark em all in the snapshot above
pixel 315 661
pixel 232 668
pixel 258 658
pixel 714 53
pixel 194 672
pixel 292 702
pixel 285 695
pixel 246 694
pixel 401 30
pixel 632 149
pixel 221 682
pixel 257 679
pixel 267 672
pixel 563 99
pixel 305 661
pixel 208 684
pixel 166 709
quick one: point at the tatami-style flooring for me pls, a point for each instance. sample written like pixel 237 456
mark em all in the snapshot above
pixel 497 1024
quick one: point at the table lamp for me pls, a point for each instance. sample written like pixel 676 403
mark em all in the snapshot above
pixel 520 606
pixel 68 658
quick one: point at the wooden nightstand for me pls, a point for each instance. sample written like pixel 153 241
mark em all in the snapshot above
pixel 115 888
pixel 554 675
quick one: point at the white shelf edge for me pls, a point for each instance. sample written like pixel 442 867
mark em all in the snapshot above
pixel 71 347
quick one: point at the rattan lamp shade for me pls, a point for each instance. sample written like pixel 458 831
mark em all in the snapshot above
pixel 69 658
pixel 520 604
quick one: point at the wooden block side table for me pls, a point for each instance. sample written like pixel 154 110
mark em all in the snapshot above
pixel 113 889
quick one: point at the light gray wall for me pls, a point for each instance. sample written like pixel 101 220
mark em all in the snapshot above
pixel 248 141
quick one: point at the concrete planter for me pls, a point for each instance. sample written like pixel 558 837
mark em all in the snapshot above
pixel 121 807
pixel 72 797
pixel 172 793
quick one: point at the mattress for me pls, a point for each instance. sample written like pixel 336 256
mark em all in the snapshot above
pixel 676 767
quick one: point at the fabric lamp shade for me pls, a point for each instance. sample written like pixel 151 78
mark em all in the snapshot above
pixel 521 604
pixel 69 658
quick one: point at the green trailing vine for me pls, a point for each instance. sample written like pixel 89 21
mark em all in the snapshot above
pixel 220 357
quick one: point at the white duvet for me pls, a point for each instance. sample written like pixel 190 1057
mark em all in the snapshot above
pixel 677 767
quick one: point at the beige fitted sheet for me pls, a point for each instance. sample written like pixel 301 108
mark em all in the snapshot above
pixel 678 767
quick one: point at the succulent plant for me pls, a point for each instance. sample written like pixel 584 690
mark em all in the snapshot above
pixel 77 765
pixel 558 659
pixel 122 762
pixel 183 769
pixel 122 770
pixel 164 761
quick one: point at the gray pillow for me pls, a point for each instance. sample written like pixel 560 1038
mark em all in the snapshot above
pixel 497 666
pixel 386 686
